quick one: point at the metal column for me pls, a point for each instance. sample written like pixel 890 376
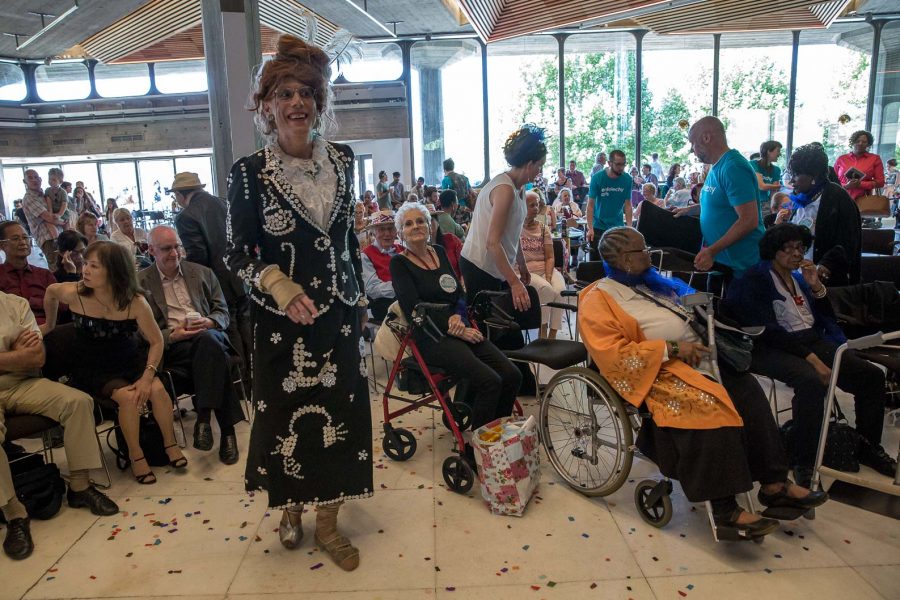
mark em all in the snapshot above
pixel 717 42
pixel 561 40
pixel 484 113
pixel 792 94
pixel 638 95
pixel 877 26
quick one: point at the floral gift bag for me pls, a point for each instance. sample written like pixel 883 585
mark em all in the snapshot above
pixel 509 466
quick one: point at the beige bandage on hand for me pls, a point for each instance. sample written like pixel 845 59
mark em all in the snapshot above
pixel 282 288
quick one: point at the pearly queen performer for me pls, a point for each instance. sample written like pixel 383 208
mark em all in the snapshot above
pixel 291 239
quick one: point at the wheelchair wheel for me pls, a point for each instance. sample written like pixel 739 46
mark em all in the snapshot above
pixel 458 474
pixel 586 432
pixel 462 414
pixel 399 444
pixel 656 512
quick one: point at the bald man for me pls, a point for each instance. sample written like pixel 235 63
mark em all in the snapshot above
pixel 730 217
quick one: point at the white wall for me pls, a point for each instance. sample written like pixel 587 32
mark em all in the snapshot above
pixel 388 155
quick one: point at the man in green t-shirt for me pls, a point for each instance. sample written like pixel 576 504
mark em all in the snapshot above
pixel 456 182
pixel 609 201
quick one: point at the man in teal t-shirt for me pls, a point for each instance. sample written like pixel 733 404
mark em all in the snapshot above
pixel 609 200
pixel 730 218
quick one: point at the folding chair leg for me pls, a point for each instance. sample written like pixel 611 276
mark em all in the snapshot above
pixel 108 484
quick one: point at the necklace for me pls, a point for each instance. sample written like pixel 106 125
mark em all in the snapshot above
pixel 431 264
pixel 792 290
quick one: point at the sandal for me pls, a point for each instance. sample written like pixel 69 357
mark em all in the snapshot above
pixel 142 479
pixel 342 552
pixel 180 462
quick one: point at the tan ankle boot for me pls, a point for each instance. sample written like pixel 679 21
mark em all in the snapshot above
pixel 290 530
pixel 345 555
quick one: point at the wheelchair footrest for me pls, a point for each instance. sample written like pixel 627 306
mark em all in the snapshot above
pixel 785 513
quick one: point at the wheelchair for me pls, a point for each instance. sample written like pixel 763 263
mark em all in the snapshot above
pixel 426 386
pixel 588 433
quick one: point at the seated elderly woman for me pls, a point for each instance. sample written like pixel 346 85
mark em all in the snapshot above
pixel 799 344
pixel 134 239
pixel 564 206
pixel 716 439
pixel 536 242
pixel 648 191
pixel 422 273
pixel 678 195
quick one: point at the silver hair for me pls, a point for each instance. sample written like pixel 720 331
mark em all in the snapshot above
pixel 649 184
pixel 680 182
pixel 152 233
pixel 400 216
pixel 121 210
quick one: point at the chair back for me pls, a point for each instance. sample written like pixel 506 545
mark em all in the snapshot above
pixel 878 241
pixel 874 205
pixel 559 254
pixel 661 229
pixel 589 271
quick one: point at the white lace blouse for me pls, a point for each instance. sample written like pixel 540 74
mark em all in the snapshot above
pixel 313 180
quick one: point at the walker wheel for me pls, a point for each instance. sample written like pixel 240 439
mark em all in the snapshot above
pixel 399 444
pixel 462 414
pixel 458 474
pixel 658 513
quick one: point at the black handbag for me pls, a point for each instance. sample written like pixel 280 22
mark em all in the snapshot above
pixel 841 444
pixel 39 486
pixel 151 440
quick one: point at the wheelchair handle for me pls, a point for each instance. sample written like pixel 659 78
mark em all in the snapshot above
pixel 427 306
pixel 867 341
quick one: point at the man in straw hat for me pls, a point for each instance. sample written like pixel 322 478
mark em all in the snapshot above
pixel 201 227
pixel 376 261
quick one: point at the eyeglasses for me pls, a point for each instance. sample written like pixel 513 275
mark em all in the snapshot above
pixel 287 94
pixel 18 238
pixel 167 249
pixel 797 247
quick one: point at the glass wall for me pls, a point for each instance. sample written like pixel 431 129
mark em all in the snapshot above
pixel 114 81
pixel 86 172
pixel 154 177
pixel 599 94
pixel 379 62
pixel 886 114
pixel 63 81
pixel 13 186
pixel 754 84
pixel 181 76
pixel 12 82
pixel 522 88
pixel 120 183
pixel 832 86
pixel 677 86
pixel 447 108
pixel 200 165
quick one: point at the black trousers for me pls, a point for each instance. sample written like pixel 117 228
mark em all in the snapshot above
pixel 204 360
pixel 239 333
pixel 493 380
pixel 379 308
pixel 857 376
pixel 593 251
pixel 718 463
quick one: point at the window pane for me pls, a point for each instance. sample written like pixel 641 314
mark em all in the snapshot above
pixel 178 77
pixel 202 166
pixel 63 81
pixel 379 62
pixel 599 89
pixel 155 177
pixel 13 188
pixel 12 82
pixel 886 116
pixel 522 88
pixel 86 173
pixel 754 81
pixel 831 102
pixel 115 81
pixel 677 86
pixel 120 183
pixel 447 109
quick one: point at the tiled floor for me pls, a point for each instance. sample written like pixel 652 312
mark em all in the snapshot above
pixel 198 535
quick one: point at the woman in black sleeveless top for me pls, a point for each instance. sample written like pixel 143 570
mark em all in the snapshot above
pixel 112 323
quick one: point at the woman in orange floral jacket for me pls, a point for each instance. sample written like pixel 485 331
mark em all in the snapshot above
pixel 715 439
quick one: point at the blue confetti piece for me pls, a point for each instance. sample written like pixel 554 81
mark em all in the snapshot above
pixel 690 586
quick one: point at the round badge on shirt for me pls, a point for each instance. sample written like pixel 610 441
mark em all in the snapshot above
pixel 447 283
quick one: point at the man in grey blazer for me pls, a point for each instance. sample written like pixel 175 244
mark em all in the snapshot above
pixel 196 345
